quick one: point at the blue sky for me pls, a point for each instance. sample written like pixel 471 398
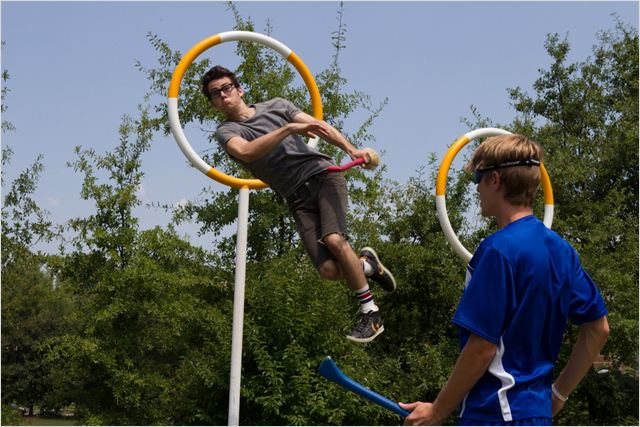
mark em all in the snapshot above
pixel 72 75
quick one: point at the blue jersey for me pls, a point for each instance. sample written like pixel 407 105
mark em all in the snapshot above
pixel 523 283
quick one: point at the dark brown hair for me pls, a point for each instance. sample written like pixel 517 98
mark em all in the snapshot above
pixel 216 73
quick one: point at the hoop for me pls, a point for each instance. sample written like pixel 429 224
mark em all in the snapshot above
pixel 441 183
pixel 174 88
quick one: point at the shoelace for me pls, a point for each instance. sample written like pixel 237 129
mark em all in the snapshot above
pixel 363 322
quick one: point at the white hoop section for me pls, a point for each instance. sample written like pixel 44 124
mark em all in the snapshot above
pixel 174 88
pixel 441 183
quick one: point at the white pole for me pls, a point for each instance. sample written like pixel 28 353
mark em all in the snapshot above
pixel 238 307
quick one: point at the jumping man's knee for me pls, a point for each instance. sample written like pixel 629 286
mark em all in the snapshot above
pixel 330 270
pixel 335 242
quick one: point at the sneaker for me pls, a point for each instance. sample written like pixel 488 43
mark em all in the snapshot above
pixel 380 275
pixel 369 327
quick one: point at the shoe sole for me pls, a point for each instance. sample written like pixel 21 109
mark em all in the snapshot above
pixel 386 271
pixel 364 340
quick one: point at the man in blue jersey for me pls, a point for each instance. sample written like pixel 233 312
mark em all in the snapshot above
pixel 523 284
pixel 266 138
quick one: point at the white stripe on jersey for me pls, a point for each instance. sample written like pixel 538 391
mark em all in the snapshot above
pixel 497 370
pixel 467 277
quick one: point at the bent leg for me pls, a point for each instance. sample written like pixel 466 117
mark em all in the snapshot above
pixel 350 263
pixel 330 270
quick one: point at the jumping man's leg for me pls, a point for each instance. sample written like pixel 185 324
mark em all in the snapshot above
pixel 370 324
pixel 376 271
pixel 350 264
pixel 319 209
pixel 332 207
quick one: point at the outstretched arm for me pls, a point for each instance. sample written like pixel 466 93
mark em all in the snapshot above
pixel 474 360
pixel 331 135
pixel 246 151
pixel 591 339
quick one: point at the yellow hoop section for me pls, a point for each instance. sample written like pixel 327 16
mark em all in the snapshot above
pixel 441 184
pixel 174 89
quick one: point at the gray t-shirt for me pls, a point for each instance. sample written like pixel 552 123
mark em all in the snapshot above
pixel 288 165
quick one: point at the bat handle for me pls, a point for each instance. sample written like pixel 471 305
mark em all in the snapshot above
pixel 330 371
pixel 352 163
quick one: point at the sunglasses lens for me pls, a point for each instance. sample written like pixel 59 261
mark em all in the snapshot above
pixel 477 177
pixel 216 92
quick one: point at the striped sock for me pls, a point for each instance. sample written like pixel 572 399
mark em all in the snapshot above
pixel 366 267
pixel 365 297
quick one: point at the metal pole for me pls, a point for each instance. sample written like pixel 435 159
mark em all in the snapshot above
pixel 238 307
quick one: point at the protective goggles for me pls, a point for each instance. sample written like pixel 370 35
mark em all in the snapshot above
pixel 477 176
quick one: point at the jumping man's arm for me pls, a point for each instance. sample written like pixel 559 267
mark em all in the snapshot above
pixel 248 151
pixel 330 134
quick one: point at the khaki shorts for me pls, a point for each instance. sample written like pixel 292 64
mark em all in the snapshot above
pixel 319 207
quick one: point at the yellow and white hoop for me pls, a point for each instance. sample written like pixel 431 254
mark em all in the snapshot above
pixel 174 89
pixel 441 184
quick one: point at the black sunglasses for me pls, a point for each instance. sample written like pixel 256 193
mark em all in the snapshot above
pixel 477 175
pixel 215 93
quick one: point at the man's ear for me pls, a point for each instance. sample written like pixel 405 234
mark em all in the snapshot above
pixel 495 179
pixel 240 91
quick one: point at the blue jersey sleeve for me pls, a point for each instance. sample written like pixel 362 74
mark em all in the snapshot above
pixel 488 299
pixel 586 301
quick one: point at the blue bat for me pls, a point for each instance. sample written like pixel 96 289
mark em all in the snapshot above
pixel 330 371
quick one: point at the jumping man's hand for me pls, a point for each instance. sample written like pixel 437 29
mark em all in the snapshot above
pixel 309 130
pixel 356 154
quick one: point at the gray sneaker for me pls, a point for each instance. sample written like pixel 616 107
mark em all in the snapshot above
pixel 381 275
pixel 368 328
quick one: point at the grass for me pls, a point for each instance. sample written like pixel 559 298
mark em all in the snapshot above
pixel 40 421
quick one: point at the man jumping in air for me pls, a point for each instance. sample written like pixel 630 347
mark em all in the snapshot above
pixel 266 138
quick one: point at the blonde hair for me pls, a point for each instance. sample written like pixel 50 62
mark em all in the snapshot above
pixel 520 182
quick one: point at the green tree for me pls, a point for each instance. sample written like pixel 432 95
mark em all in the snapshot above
pixel 111 230
pixel 6 125
pixel 11 416
pixel 152 333
pixel 152 341
pixel 22 218
pixel 33 309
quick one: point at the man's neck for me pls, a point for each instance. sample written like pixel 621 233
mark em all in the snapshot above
pixel 243 112
pixel 511 213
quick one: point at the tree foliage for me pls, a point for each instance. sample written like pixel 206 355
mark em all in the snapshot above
pixel 33 309
pixel 6 125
